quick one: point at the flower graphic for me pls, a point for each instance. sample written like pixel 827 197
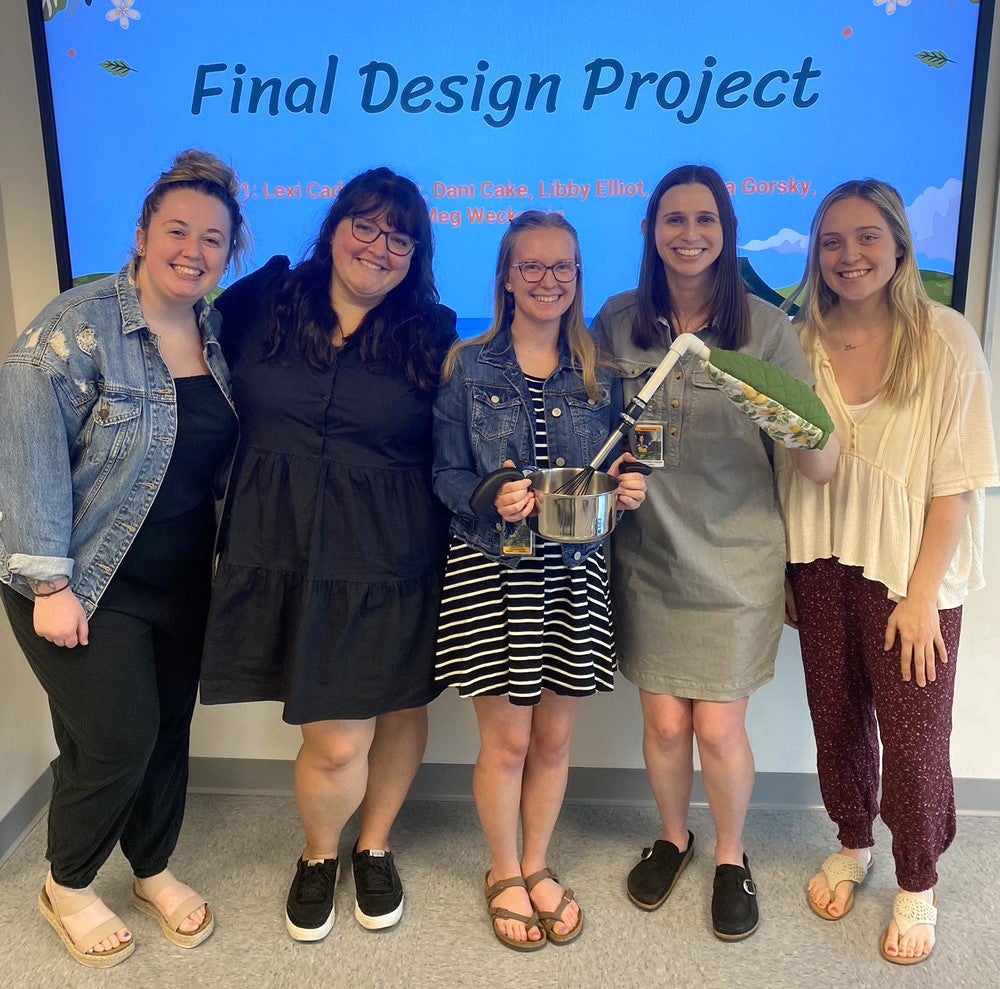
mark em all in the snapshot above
pixel 122 12
pixel 890 5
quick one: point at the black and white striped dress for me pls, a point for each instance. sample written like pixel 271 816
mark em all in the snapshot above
pixel 515 631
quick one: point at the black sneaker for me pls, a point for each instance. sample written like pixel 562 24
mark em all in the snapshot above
pixel 309 910
pixel 379 892
pixel 653 877
pixel 734 902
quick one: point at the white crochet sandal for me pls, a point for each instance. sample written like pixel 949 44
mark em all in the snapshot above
pixel 840 868
pixel 908 910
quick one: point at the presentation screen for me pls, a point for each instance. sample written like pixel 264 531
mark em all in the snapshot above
pixel 493 109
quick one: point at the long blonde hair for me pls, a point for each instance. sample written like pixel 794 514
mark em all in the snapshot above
pixel 583 351
pixel 909 305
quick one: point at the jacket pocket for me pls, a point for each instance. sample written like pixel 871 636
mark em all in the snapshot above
pixel 590 419
pixel 113 424
pixel 494 412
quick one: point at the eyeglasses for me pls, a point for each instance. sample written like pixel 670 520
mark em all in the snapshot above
pixel 534 271
pixel 368 231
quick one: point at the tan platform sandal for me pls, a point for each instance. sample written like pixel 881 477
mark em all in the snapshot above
pixel 81 948
pixel 142 899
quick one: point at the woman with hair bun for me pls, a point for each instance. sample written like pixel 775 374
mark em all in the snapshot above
pixel 117 424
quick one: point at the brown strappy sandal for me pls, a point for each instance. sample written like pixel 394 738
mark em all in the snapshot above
pixel 502 913
pixel 549 918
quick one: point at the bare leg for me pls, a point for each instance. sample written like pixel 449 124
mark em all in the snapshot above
pixel 543 787
pixel 667 737
pixel 504 731
pixel 393 760
pixel 331 774
pixel 727 770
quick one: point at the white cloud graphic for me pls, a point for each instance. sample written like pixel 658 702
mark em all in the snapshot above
pixel 785 241
pixel 933 217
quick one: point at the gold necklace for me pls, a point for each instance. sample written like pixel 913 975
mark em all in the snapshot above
pixel 855 346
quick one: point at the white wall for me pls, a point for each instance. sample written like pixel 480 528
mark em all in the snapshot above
pixel 609 725
pixel 27 281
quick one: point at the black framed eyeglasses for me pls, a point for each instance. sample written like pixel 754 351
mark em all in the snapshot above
pixel 534 271
pixel 368 231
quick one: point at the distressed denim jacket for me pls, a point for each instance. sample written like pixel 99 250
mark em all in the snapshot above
pixel 484 415
pixel 88 418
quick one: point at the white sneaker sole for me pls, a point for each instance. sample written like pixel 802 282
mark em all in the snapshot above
pixel 381 921
pixel 310 933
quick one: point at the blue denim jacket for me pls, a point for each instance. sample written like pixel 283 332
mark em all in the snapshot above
pixel 88 417
pixel 483 416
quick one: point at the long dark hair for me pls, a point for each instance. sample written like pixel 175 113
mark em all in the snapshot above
pixel 398 333
pixel 729 313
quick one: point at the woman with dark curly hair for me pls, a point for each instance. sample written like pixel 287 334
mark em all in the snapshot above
pixel 332 545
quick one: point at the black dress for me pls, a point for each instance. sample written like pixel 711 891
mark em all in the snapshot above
pixel 329 580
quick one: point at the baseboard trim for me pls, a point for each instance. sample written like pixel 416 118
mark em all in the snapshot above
pixel 453 781
pixel 24 815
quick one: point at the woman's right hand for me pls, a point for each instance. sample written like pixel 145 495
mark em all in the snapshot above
pixel 515 500
pixel 61 620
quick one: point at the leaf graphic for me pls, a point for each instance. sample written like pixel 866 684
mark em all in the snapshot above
pixel 936 60
pixel 118 68
pixel 52 7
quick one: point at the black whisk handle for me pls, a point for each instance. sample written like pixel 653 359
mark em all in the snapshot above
pixel 485 494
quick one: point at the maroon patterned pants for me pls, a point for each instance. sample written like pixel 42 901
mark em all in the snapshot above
pixel 856 693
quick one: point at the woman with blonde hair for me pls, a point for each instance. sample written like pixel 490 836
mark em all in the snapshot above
pixel 882 558
pixel 526 627
pixel 117 423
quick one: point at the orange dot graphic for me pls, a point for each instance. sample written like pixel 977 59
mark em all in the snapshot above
pixel 71 52
pixel 848 31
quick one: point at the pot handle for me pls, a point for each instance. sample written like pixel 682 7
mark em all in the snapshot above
pixel 635 468
pixel 481 501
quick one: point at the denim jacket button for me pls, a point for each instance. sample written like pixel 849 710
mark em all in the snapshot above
pixel 556 413
pixel 499 526
pixel 494 399
pixel 577 555
pixel 560 461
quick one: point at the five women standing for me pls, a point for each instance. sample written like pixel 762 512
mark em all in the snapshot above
pixel 331 536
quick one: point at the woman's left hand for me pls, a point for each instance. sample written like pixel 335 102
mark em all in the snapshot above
pixel 631 485
pixel 918 625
